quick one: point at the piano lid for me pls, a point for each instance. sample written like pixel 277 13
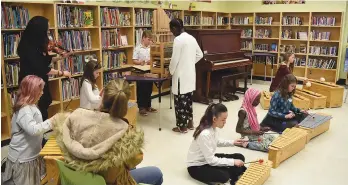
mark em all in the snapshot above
pixel 217 41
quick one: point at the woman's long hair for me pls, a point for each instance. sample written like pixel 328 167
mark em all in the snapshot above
pixel 115 98
pixel 34 36
pixel 286 58
pixel 213 110
pixel 29 91
pixel 284 86
pixel 88 71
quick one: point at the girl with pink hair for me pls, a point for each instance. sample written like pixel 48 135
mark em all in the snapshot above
pixel 23 165
pixel 248 125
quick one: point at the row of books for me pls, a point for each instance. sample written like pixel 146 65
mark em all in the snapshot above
pixel 293 48
pixel 113 59
pixel 11 41
pixel 265 59
pixel 114 17
pixel 263 20
pixel 318 35
pixel 143 17
pixel 113 38
pixel 71 88
pixel 208 21
pixel 138 35
pixel 192 20
pixel 222 20
pixel 323 50
pixel 73 64
pixel 74 16
pixel 241 20
pixel 263 33
pixel 76 40
pixel 173 14
pixel 12 96
pixel 292 20
pixel 290 34
pixel 322 63
pixel 266 47
pixel 12 74
pixel 107 77
pixel 300 62
pixel 247 45
pixel 247 33
pixel 14 17
pixel 323 21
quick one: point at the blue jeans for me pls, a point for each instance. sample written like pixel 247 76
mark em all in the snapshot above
pixel 147 175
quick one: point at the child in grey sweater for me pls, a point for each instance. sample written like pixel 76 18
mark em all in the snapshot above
pixel 23 165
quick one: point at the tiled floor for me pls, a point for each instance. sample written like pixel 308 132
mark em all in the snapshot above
pixel 324 161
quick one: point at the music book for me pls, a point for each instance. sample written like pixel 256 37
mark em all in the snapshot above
pixel 142 68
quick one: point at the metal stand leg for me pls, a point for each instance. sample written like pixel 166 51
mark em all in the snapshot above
pixel 345 98
pixel 159 106
pixel 251 76
pixel 170 97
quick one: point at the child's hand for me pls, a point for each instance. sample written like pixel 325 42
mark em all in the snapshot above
pixel 304 111
pixel 238 163
pixel 101 92
pixel 290 115
pixel 239 142
pixel 258 132
pixel 265 129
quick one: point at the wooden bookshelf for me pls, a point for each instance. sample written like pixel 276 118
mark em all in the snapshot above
pixel 247 22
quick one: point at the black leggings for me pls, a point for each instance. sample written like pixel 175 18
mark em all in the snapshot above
pixel 221 174
pixel 280 124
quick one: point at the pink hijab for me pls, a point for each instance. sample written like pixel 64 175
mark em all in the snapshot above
pixel 249 98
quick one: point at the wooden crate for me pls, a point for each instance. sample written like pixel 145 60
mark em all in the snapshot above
pixel 317 101
pixel 334 93
pixel 286 145
pixel 314 132
pixel 265 99
pixel 256 174
pixel 301 102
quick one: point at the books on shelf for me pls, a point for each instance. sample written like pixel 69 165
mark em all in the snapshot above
pixel 240 20
pixel 143 17
pixel 73 64
pixel 290 34
pixel 173 14
pixel 247 45
pixel 76 39
pixel 300 62
pixel 321 63
pixel 11 41
pixel 265 59
pixel 110 76
pixel 74 16
pixel 263 20
pixel 323 21
pixel 113 38
pixel 263 33
pixel 71 88
pixel 113 59
pixel 318 35
pixel 323 50
pixel 292 20
pixel 208 21
pixel 14 17
pixel 138 34
pixel 222 20
pixel 114 17
pixel 266 47
pixel 293 48
pixel 12 74
pixel 192 20
pixel 247 33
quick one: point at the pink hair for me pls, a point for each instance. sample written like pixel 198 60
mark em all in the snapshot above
pixel 249 98
pixel 29 91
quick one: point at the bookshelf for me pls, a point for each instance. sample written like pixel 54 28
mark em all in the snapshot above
pixel 261 32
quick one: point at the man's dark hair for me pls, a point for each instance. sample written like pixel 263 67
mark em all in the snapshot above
pixel 176 23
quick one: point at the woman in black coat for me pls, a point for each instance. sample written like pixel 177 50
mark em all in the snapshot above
pixel 34 58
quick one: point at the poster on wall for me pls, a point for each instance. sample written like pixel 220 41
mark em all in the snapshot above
pixel 269 2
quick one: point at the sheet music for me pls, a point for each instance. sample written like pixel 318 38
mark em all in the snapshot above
pixel 142 68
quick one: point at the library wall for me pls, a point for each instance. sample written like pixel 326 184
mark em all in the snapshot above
pixel 310 6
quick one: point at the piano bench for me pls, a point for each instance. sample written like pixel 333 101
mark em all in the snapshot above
pixel 234 77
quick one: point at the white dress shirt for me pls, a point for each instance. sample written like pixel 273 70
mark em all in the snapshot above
pixel 202 150
pixel 186 53
pixel 89 99
pixel 141 53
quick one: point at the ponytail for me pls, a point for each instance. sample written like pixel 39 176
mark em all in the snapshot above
pixel 213 110
pixel 116 96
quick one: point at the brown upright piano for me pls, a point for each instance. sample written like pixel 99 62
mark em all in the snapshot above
pixel 221 51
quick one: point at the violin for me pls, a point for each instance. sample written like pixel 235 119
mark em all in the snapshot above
pixel 56 46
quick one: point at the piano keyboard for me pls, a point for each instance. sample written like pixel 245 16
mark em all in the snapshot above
pixel 230 62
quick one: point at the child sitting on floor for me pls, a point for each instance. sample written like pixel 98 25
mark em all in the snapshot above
pixel 282 113
pixel 248 125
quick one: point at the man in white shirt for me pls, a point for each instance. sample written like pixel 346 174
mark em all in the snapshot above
pixel 141 56
pixel 186 53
